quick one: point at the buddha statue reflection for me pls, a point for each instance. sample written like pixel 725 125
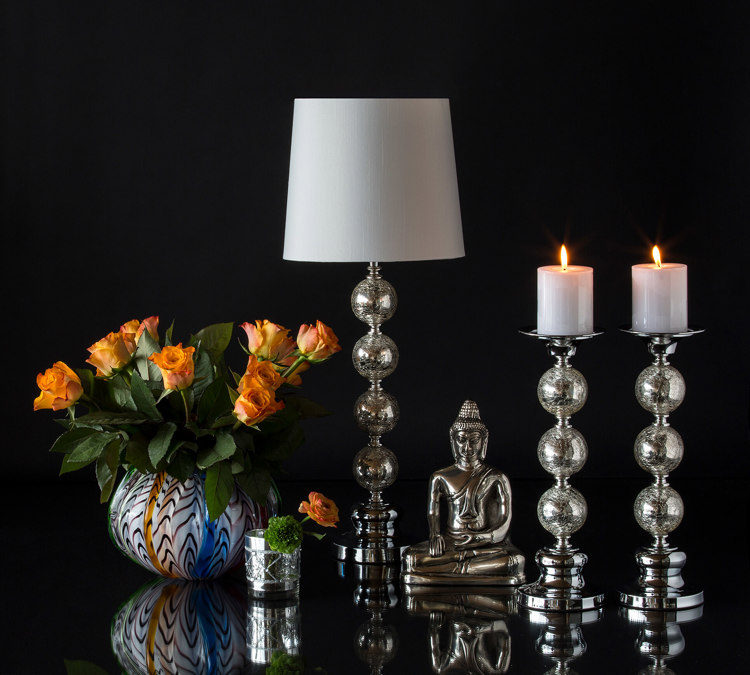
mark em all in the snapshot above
pixel 474 547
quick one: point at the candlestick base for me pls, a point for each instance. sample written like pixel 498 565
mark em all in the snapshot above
pixel 660 584
pixel 560 587
pixel 373 539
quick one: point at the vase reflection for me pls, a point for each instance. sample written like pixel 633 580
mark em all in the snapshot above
pixel 182 627
pixel 273 631
pixel 468 631
pixel 660 636
pixel 561 637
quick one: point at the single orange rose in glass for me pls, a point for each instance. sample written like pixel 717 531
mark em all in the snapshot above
pixel 268 340
pixel 256 403
pixel 321 509
pixel 317 342
pixel 112 353
pixel 59 388
pixel 176 366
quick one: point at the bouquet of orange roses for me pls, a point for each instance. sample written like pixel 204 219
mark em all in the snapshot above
pixel 158 406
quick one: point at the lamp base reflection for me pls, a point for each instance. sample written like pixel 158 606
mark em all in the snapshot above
pixel 561 637
pixel 660 637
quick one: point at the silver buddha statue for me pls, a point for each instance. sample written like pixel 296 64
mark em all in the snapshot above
pixel 475 548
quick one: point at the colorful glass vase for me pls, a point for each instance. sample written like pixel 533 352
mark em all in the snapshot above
pixel 163 525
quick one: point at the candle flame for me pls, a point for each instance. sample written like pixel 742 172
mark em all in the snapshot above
pixel 564 257
pixel 657 256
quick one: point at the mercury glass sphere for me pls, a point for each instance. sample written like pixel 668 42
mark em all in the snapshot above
pixel 375 468
pixel 562 451
pixel 376 412
pixel 660 389
pixel 658 509
pixel 376 644
pixel 562 511
pixel 658 449
pixel 375 356
pixel 374 301
pixel 562 391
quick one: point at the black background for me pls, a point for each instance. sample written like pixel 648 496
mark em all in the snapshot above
pixel 146 162
pixel 146 168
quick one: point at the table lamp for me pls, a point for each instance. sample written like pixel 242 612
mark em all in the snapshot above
pixel 372 181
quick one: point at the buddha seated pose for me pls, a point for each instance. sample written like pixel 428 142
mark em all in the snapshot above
pixel 475 547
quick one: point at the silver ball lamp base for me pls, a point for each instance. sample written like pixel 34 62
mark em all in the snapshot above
pixel 562 510
pixel 375 467
pixel 658 508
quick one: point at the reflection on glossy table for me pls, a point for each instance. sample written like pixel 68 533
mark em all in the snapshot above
pixel 69 594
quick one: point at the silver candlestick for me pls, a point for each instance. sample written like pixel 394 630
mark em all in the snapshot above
pixel 375 467
pixel 658 508
pixel 562 510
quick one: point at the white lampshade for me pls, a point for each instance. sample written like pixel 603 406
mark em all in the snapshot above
pixel 372 180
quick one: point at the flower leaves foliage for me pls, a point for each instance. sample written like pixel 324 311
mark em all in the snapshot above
pixel 134 419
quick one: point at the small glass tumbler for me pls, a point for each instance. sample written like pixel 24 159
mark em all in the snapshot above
pixel 270 573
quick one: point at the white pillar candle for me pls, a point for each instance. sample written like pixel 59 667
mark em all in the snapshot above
pixel 565 299
pixel 660 297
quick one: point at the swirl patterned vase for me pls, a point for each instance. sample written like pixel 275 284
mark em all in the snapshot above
pixel 162 524
pixel 181 627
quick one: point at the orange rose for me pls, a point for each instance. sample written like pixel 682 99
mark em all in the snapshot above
pixel 263 371
pixel 268 340
pixel 111 353
pixel 136 328
pixel 321 509
pixel 176 366
pixel 60 388
pixel 317 342
pixel 256 403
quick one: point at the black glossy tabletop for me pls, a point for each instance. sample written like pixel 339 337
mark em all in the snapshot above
pixel 64 584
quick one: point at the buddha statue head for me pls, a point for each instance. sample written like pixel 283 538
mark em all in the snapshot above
pixel 469 436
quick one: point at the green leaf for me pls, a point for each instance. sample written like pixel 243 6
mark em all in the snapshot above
pixel 219 487
pixel 168 334
pixel 101 417
pixel 121 394
pixel 70 440
pixel 226 421
pixel 136 453
pixel 87 451
pixel 304 407
pixel 204 373
pixel 182 465
pixel 214 403
pixel 281 445
pixel 87 380
pixel 147 369
pixel 224 448
pixel 106 468
pixel 144 399
pixel 82 668
pixel 216 338
pixel 256 484
pixel 159 444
